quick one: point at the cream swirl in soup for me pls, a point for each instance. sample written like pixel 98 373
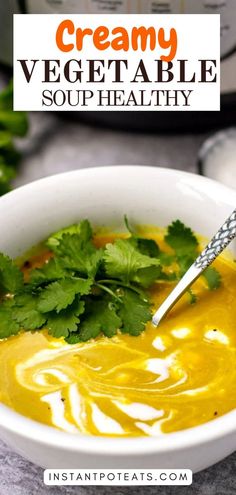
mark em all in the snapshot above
pixel 176 376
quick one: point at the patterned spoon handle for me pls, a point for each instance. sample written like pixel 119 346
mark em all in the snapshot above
pixel 218 243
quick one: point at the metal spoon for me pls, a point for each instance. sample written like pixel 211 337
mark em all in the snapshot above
pixel 218 243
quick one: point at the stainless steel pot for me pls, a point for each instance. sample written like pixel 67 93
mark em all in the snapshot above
pixel 226 8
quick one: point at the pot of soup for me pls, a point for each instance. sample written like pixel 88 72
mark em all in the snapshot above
pixel 226 9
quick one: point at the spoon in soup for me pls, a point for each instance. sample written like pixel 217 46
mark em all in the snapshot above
pixel 219 242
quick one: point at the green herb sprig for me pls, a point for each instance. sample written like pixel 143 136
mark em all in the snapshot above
pixel 84 291
pixel 12 124
pixel 186 247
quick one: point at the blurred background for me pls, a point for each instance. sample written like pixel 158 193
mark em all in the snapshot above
pixel 56 142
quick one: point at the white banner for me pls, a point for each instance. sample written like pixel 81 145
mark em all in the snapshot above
pixel 118 477
pixel 116 62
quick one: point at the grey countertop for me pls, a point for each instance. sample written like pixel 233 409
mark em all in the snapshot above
pixel 55 145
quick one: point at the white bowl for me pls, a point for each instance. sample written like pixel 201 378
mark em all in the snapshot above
pixel 150 196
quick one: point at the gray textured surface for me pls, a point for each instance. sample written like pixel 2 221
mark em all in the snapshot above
pixel 19 477
pixel 55 145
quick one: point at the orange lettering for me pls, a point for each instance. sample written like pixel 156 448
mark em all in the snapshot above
pixel 120 42
pixel 143 33
pixel 65 25
pixel 100 35
pixel 170 43
pixel 80 35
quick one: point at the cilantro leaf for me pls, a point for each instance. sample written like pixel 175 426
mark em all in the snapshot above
pixel 192 296
pixel 184 263
pixel 101 317
pixel 212 277
pixel 166 259
pixel 82 229
pixel 25 312
pixel 79 255
pixel 60 325
pixel 123 261
pixel 84 291
pixel 147 276
pixel 58 295
pixel 49 272
pixel 181 239
pixel 73 338
pixel 185 244
pixel 8 326
pixel 148 247
pixel 134 313
pixel 11 278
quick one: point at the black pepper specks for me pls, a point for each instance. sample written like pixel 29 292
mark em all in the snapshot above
pixel 27 264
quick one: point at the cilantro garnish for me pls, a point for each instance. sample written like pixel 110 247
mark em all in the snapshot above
pixel 212 277
pixel 84 291
pixel 181 239
pixel 123 260
pixel 186 248
pixel 11 279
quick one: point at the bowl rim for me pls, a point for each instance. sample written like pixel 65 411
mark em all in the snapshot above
pixel 198 179
pixel 25 427
pixel 177 441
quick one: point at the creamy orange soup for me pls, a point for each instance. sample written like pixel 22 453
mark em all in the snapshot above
pixel 178 375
